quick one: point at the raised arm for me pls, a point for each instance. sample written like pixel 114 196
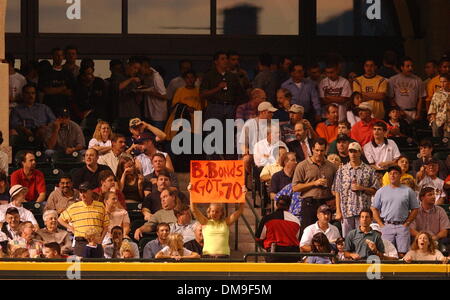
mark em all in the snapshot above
pixel 235 216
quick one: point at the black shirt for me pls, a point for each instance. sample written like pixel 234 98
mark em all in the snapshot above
pixel 234 94
pixel 56 79
pixel 279 181
pixel 83 174
pixel 194 246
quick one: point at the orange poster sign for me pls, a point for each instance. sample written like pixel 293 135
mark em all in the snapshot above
pixel 218 181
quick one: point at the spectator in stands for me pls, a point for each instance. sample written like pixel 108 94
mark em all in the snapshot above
pixel 352 110
pixel 52 251
pixel 11 224
pixel 398 127
pixel 63 196
pixel 342 143
pixel 373 88
pixel 235 68
pixel 93 248
pixel 266 151
pixel 155 97
pixel 281 74
pixel 428 177
pixel 431 218
pixel 328 130
pixel 343 129
pixel 381 153
pixel 90 172
pixel 438 112
pixel 284 98
pixel 389 67
pixel 117 216
pixel 57 84
pixel 431 70
pixel 52 234
pixel 66 136
pixel 423 248
pixel 175 249
pixel 148 149
pixel 394 208
pixel 314 177
pixel 112 157
pixel 169 202
pixel 4 193
pixel 295 115
pixel 179 82
pixel 137 128
pixel 131 183
pixel 265 78
pixel 249 110
pixel 425 155
pixel 216 228
pixel 159 164
pixel 403 163
pixel 354 185
pixel 71 56
pixel 340 245
pixel 320 244
pixel 16 81
pixel 435 84
pixel 83 215
pixel 107 183
pixel 101 141
pixel 335 89
pixel 156 245
pixel 29 121
pixel 196 245
pixel 184 224
pixel 323 225
pixel 279 232
pixel 335 159
pixel 113 247
pixel 362 242
pixel 407 91
pixel 284 177
pixel 362 131
pixel 18 194
pixel 302 145
pixel 28 239
pixel 304 92
pixel 127 251
pixel 315 73
pixel 31 178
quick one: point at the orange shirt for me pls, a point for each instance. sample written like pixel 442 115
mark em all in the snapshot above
pixel 327 131
pixel 363 132
pixel 433 86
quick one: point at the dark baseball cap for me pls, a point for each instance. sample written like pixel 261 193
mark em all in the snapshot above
pixel 324 209
pixel 342 138
pixel 397 168
pixel 62 112
pixel 84 187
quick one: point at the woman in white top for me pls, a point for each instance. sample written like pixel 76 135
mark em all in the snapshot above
pixel 424 248
pixel 101 140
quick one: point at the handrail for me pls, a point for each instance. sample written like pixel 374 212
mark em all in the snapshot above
pixel 286 254
pixel 113 260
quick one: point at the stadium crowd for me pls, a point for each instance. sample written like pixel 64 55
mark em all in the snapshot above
pixel 355 166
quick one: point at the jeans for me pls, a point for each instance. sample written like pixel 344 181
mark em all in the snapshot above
pixel 398 235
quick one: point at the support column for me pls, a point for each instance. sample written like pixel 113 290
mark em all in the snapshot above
pixel 4 83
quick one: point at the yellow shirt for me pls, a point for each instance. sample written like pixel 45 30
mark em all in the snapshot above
pixel 83 217
pixel 190 97
pixel 216 236
pixel 433 86
pixel 376 84
pixel 387 181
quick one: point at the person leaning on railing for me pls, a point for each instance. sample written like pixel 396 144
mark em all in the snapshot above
pixel 216 228
pixel 424 249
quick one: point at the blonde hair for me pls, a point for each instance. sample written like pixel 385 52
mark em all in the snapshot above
pixel 208 211
pixel 431 246
pixel 126 247
pixel 175 243
pixel 97 133
pixel 334 156
pixel 91 233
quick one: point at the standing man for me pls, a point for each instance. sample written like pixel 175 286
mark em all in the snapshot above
pixel 439 108
pixel 314 177
pixel 353 187
pixel 265 79
pixel 434 84
pixel 235 68
pixel 84 215
pixel 372 87
pixel 407 91
pixel 395 207
pixel 71 55
pixel 16 82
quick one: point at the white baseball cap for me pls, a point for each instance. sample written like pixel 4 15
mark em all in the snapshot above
pixel 263 106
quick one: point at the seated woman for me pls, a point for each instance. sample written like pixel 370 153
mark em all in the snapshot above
pixel 175 249
pixel 52 234
pixel 216 228
pixel 320 244
pixel 423 248
pixel 117 216
pixel 101 140
pixel 108 184
pixel 131 183
pixel 403 163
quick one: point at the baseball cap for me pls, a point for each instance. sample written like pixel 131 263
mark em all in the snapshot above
pixel 365 106
pixel 342 138
pixel 146 136
pixel 16 189
pixel 263 106
pixel 135 122
pixel 295 108
pixel 355 146
pixel 324 209
pixel 84 187
pixel 62 112
pixel 397 168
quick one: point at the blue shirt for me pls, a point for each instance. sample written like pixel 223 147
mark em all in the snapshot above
pixel 152 248
pixel 295 207
pixel 31 117
pixel 306 96
pixel 394 204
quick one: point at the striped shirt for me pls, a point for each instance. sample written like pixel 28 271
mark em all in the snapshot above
pixel 84 216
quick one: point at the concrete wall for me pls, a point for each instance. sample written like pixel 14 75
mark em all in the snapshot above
pixel 4 82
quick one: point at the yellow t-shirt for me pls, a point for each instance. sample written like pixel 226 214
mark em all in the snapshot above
pixel 190 97
pixel 376 84
pixel 432 86
pixel 216 236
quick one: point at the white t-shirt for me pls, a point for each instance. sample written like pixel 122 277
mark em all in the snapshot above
pixel 332 234
pixel 265 154
pixel 166 251
pixel 16 83
pixel 155 108
pixel 381 153
pixel 417 255
pixel 254 131
pixel 339 88
pixel 96 143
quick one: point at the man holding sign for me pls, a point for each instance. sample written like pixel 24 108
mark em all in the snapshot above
pixel 217 182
